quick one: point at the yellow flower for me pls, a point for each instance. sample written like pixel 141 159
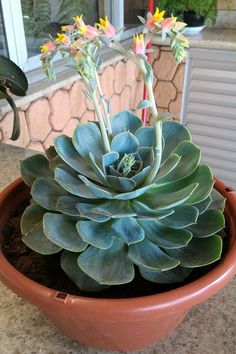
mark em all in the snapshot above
pixel 67 28
pixel 155 18
pixel 106 27
pixel 79 21
pixel 138 45
pixel 48 47
pixel 62 38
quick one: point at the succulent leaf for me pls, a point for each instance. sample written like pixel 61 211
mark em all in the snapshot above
pixel 164 236
pixel 218 201
pixel 83 281
pixel 32 231
pixel 128 230
pixel 30 171
pixel 182 217
pixel 149 255
pixel 125 143
pixel 125 121
pixel 110 266
pixel 95 233
pixel 56 226
pixel 209 223
pixel 175 275
pixel 199 252
pixel 145 136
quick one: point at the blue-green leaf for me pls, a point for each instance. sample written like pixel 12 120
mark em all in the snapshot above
pixel 175 275
pixel 109 267
pixel 109 158
pixel 182 217
pixel 67 205
pixel 139 177
pixel 125 121
pixel 146 136
pixel 125 143
pixel 203 206
pixel 61 230
pixel 70 155
pixel 115 209
pixel 33 167
pixel 46 192
pixel 144 212
pixel 133 194
pixel 97 190
pixel 147 155
pixel 218 201
pixel 128 230
pixel 83 281
pixel 86 211
pixel 96 234
pixel 208 223
pixel 174 133
pixel 144 104
pixel 199 252
pixel 164 236
pixel 147 254
pixel 87 138
pixel 32 231
pixel 121 184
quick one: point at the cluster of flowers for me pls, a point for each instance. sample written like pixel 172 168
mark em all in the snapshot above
pixel 76 38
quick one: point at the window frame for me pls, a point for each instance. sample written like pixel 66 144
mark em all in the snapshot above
pixel 15 33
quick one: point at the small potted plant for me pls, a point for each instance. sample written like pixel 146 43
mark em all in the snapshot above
pixel 123 206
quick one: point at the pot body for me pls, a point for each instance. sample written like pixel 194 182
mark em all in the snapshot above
pixel 118 324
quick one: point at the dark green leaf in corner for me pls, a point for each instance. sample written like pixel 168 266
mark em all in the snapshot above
pixel 175 275
pixel 34 167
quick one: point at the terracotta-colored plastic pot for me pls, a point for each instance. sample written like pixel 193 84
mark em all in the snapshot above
pixel 118 324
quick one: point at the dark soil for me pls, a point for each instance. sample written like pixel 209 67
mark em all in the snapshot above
pixel 46 270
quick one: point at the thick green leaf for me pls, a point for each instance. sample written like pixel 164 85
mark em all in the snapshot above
pixel 208 223
pixel 98 190
pixel 133 194
pixel 32 231
pixel 86 211
pixel 34 167
pixel 146 155
pixel 182 217
pixel 167 167
pixel 67 205
pixel 115 209
pixel 70 155
pixel 140 177
pixel 174 133
pixel 61 230
pixel 146 136
pixel 96 234
pixel 175 275
pixel 203 206
pixel 166 197
pixel 98 170
pixel 125 143
pixel 144 104
pixel 164 236
pixel 128 230
pixel 109 267
pixel 109 159
pixel 46 192
pixel 121 184
pixel 203 176
pixel 190 157
pixel 199 252
pixel 12 77
pixel 125 121
pixel 144 212
pixel 147 254
pixel 218 201
pixel 83 281
pixel 87 138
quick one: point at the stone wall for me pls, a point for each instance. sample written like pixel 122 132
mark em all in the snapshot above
pixel 60 111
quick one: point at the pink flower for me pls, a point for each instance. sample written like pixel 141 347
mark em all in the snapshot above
pixel 154 19
pixel 88 31
pixel 48 47
pixel 106 27
pixel 168 23
pixel 138 45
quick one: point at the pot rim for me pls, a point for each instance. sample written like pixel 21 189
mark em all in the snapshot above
pixel 174 300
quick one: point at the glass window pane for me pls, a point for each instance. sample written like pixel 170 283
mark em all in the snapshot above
pixel 134 8
pixel 42 17
pixel 3 40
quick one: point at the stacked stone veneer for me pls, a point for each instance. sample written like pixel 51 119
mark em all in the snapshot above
pixel 60 111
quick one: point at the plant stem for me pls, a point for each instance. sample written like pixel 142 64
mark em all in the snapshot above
pixel 157 125
pixel 104 106
pixel 99 115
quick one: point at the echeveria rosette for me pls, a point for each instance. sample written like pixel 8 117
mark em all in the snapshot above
pixel 108 223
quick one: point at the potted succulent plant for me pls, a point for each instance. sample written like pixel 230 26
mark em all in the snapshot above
pixel 122 205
